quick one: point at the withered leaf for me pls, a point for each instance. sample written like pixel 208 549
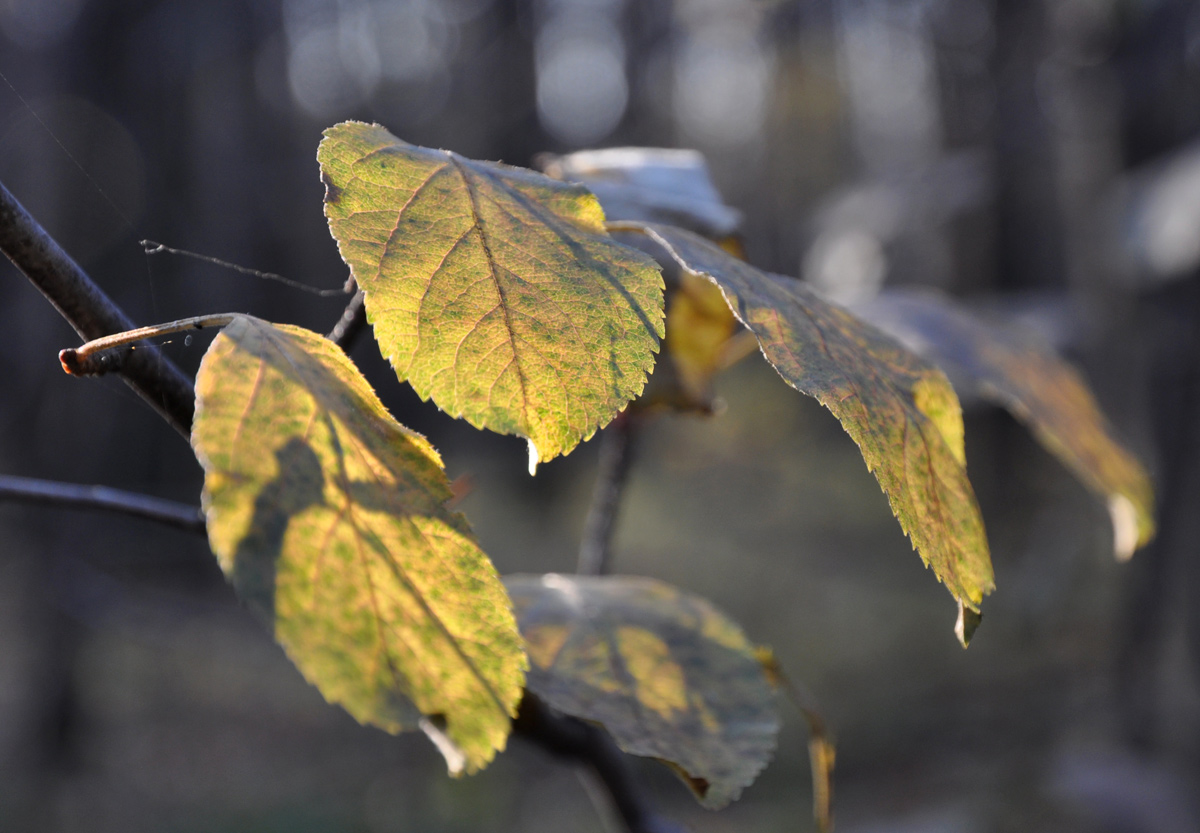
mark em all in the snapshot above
pixel 663 671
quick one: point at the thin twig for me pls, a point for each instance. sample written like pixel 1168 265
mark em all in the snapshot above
pixel 570 738
pixel 152 247
pixel 616 454
pixel 108 354
pixel 179 515
pixel 85 306
pixel 352 323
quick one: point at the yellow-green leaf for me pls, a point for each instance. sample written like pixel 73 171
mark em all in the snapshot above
pixel 664 672
pixel 897 407
pixel 495 291
pixel 327 516
pixel 1025 376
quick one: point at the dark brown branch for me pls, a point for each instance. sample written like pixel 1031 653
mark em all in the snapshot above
pixel 573 739
pixel 179 515
pixel 352 323
pixel 616 454
pixel 85 306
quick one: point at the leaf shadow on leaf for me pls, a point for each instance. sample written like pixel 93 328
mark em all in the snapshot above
pixel 298 486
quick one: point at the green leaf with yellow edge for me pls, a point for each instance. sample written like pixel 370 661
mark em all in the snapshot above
pixel 1019 372
pixel 664 672
pixel 328 518
pixel 898 408
pixel 495 291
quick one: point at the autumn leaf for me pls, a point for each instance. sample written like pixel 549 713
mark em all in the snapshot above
pixel 897 407
pixel 664 672
pixel 1025 376
pixel 495 291
pixel 327 516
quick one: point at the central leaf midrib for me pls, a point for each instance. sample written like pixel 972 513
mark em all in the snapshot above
pixel 493 270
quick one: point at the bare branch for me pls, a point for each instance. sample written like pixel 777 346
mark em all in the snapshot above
pixel 85 306
pixel 179 515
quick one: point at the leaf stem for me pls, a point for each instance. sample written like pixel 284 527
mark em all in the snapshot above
pixel 90 311
pixel 821 749
pixel 30 490
pixel 616 456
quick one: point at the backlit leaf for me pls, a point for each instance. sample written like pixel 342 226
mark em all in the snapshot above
pixel 1025 376
pixel 328 518
pixel 664 672
pixel 898 408
pixel 495 291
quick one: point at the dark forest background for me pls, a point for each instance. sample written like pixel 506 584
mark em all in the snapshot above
pixel 1038 159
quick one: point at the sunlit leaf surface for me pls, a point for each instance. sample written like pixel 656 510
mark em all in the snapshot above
pixel 493 290
pixel 1025 376
pixel 327 516
pixel 667 674
pixel 898 408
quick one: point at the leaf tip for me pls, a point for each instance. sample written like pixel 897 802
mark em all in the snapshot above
pixel 1124 518
pixel 967 624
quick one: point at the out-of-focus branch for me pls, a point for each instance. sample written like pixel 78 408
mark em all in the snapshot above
pixel 616 454
pixel 573 739
pixel 179 515
pixel 85 306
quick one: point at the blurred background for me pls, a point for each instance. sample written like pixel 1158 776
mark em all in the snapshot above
pixel 1032 157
